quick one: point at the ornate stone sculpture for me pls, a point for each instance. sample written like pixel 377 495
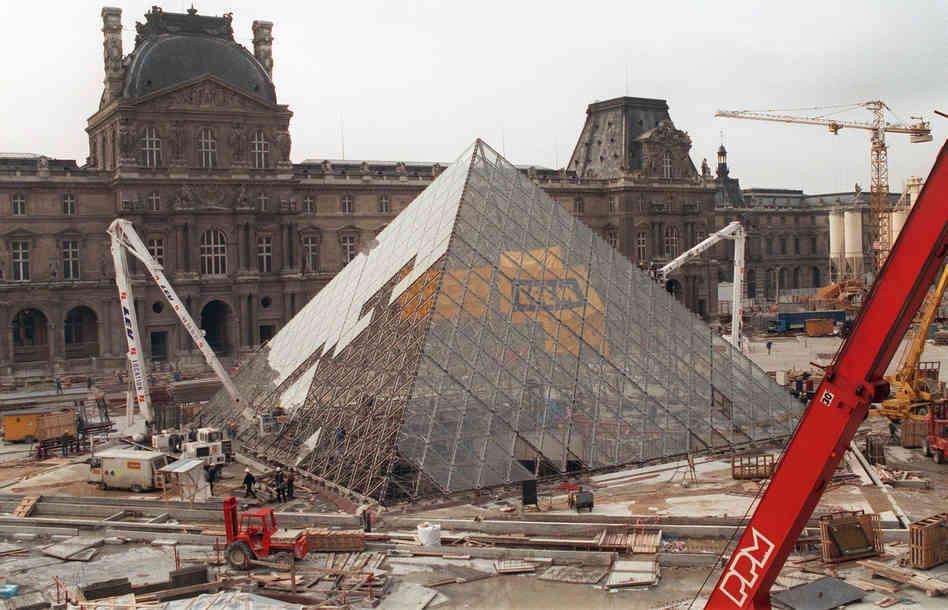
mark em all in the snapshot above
pixel 242 201
pixel 284 143
pixel 236 142
pixel 184 199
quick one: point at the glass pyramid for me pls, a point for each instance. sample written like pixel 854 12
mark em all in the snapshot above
pixel 491 337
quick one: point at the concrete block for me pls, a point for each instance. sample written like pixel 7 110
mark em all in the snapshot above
pixel 59 537
pixel 25 536
pixel 114 540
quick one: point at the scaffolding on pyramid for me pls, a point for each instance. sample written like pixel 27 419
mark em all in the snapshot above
pixel 488 338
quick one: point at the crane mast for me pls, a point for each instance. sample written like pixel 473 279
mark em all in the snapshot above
pixel 124 238
pixel 733 231
pixel 878 157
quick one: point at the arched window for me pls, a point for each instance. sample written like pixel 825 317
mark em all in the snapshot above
pixel 666 165
pixel 260 150
pixel 641 247
pixel 672 240
pixel 207 148
pixel 213 252
pixel 796 277
pixel 151 147
pixel 782 283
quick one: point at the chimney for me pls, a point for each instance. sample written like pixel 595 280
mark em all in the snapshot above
pixel 263 44
pixel 112 52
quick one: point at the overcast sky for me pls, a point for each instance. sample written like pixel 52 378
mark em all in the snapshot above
pixel 418 81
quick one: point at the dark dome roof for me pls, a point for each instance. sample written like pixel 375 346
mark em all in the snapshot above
pixel 169 59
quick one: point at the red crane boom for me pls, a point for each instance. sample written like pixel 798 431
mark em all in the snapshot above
pixel 841 402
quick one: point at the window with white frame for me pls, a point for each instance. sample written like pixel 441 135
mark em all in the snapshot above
pixel 151 147
pixel 18 204
pixel 346 204
pixel 672 240
pixel 349 248
pixel 207 148
pixel 666 165
pixel 641 247
pixel 264 254
pixel 263 202
pixel 69 204
pixel 70 259
pixel 21 260
pixel 311 252
pixel 384 204
pixel 156 247
pixel 309 205
pixel 579 207
pixel 613 205
pixel 213 252
pixel 154 201
pixel 260 150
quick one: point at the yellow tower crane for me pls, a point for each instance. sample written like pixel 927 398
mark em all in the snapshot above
pixel 919 131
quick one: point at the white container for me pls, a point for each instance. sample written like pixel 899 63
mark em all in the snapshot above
pixel 429 534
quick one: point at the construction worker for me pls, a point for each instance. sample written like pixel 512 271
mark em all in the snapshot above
pixel 290 482
pixel 59 385
pixel 280 482
pixel 770 345
pixel 249 482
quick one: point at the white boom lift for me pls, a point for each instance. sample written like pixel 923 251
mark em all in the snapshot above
pixel 732 231
pixel 124 237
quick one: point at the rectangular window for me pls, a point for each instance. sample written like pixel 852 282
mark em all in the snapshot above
pixel 309 205
pixel 151 148
pixel 349 249
pixel 266 332
pixel 69 204
pixel 159 345
pixel 18 205
pixel 154 201
pixel 156 247
pixel 311 253
pixel 70 259
pixel 21 261
pixel 812 245
pixel 641 247
pixel 346 205
pixel 384 205
pixel 265 254
pixel 207 147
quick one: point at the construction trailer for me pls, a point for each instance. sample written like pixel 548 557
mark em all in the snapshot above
pixel 129 469
pixel 39 424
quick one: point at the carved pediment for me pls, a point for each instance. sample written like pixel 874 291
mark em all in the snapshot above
pixel 206 93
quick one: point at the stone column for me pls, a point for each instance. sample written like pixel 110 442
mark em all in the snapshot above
pixel 188 251
pixel 263 44
pixel 252 315
pixel 104 331
pixel 6 335
pixel 112 52
pixel 239 240
pixel 241 322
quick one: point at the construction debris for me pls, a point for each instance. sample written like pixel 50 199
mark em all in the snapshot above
pixel 849 535
pixel 633 573
pixel 752 467
pixel 928 540
pixel 932 586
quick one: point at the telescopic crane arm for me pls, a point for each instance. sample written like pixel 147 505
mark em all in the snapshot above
pixel 125 238
pixel 852 382
pixel 732 231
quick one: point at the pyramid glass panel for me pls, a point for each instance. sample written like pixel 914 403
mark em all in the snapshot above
pixel 487 337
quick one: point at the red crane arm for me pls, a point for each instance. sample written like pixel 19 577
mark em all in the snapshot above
pixel 841 402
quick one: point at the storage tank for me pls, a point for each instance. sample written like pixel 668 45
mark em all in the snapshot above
pixel 836 234
pixel 896 222
pixel 852 239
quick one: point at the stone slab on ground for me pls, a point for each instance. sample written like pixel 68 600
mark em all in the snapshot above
pixel 574 574
pixel 822 594
pixel 74 546
pixel 633 573
pixel 408 596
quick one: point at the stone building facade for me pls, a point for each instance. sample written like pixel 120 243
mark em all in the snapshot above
pixel 197 155
pixel 788 241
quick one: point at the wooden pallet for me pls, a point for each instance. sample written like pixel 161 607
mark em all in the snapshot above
pixel 932 587
pixel 928 541
pixel 635 541
pixel 26 506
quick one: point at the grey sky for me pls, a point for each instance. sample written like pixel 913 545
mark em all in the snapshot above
pixel 420 80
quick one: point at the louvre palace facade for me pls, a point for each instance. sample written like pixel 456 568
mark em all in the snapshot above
pixel 191 143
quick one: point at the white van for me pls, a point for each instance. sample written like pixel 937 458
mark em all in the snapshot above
pixel 127 469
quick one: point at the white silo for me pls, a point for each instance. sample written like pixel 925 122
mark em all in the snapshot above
pixel 852 240
pixel 836 253
pixel 896 222
pixel 913 186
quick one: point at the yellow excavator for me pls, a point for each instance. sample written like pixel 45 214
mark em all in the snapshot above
pixel 915 384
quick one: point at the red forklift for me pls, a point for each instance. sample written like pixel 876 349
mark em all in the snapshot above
pixel 936 443
pixel 254 535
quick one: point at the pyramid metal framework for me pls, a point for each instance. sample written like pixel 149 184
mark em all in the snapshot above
pixel 490 337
